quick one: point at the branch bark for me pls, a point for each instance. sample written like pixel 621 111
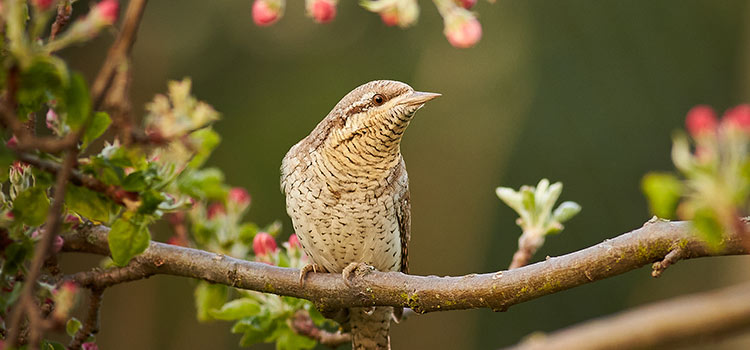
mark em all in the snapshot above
pixel 497 291
pixel 660 325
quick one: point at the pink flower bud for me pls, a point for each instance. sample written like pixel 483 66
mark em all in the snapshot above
pixel 215 210
pixel 52 119
pixel 43 5
pixel 738 117
pixel 323 11
pixel 57 244
pixel 239 196
pixel 178 241
pixel 67 287
pixel 294 241
pixel 72 219
pixel 89 346
pixel 467 4
pixel 12 142
pixel 390 17
pixel 701 120
pixel 264 14
pixel 108 10
pixel 263 244
pixel 463 31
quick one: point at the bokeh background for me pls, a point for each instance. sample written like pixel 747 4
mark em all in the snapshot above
pixel 583 92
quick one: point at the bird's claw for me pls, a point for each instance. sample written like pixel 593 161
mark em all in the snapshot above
pixel 307 269
pixel 359 268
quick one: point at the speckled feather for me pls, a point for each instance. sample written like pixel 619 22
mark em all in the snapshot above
pixel 347 192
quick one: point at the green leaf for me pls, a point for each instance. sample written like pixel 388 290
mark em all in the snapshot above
pixel 6 158
pixel 565 211
pixel 100 121
pixel 140 180
pixel 205 141
pixel 150 201
pixel 77 102
pixel 89 204
pixel 31 206
pixel 73 326
pixel 51 345
pixel 209 297
pixel 255 330
pixel 44 77
pixel 236 309
pixel 663 192
pixel 289 340
pixel 204 184
pixel 128 238
pixel 707 225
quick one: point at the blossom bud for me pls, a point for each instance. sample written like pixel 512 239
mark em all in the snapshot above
pixel 215 210
pixel 322 11
pixel 267 12
pixel 462 29
pixel 701 120
pixel 42 5
pixel 389 17
pixel 738 117
pixel 394 12
pixel 264 244
pixel 57 244
pixel 65 298
pixel 294 241
pixel 467 4
pixel 52 120
pixel 12 142
pixel 107 11
pixel 178 241
pixel 89 346
pixel 239 196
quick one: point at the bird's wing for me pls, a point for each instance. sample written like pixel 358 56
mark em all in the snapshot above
pixel 404 224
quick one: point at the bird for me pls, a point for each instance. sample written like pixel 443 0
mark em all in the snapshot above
pixel 347 193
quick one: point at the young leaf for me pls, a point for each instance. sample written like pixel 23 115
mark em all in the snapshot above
pixel 77 102
pixel 127 239
pixel 663 192
pixel 289 340
pixel 206 140
pixel 708 227
pixel 72 326
pixel 209 297
pixel 89 204
pixel 31 206
pixel 236 309
pixel 100 121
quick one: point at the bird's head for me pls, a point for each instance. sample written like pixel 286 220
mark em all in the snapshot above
pixel 380 110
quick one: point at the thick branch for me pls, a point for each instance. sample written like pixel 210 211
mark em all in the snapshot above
pixel 656 326
pixel 496 291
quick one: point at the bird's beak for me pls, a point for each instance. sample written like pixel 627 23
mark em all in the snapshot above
pixel 417 98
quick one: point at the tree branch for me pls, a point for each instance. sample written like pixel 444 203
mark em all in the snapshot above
pixel 92 320
pixel 657 326
pixel 302 324
pixel 497 291
pixel 117 194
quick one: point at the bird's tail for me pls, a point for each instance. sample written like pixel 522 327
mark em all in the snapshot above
pixel 370 327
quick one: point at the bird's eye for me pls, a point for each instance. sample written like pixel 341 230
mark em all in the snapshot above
pixel 378 99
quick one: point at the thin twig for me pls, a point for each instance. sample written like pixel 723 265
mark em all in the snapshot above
pixel 41 249
pixel 117 194
pixel 64 10
pixel 91 325
pixel 118 53
pixel 302 324
pixel 683 320
pixel 497 291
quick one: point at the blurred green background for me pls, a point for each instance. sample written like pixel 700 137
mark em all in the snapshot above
pixel 583 92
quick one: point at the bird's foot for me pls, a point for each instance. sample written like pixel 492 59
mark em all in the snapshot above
pixel 359 268
pixel 307 269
